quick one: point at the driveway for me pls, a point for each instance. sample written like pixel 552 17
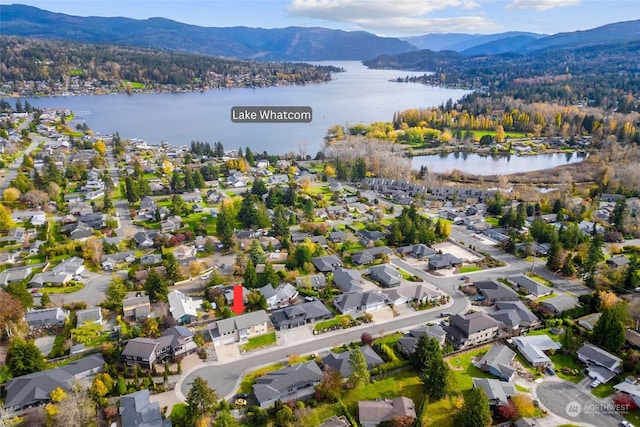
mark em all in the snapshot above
pixel 572 402
pixel 93 292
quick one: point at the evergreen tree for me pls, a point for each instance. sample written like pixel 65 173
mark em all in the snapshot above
pixel 156 286
pixel 259 187
pixel 630 280
pixel 256 253
pixel 428 361
pixel 171 264
pixel 143 187
pixel 268 276
pixel 107 204
pixel 198 179
pixel 131 188
pixel 250 276
pixel 475 411
pixel 23 357
pixel 359 371
pixel 178 206
pixel 201 399
pixel 224 226
pixel 608 331
pixel 619 214
pixel 594 257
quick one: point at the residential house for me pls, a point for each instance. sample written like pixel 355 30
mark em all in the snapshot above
pixel 366 237
pixel 171 224
pixel 93 220
pixel 239 328
pixel 497 361
pixel 77 231
pixel 291 383
pixel 419 251
pixel 340 361
pixel 407 343
pixel 143 240
pixel 352 302
pixel 348 280
pixel 335 421
pixel 136 308
pixel 495 291
pixel 367 256
pixel 16 235
pixel 372 413
pixel 141 275
pixel 180 340
pixel 617 261
pixel 136 409
pixel 336 211
pixel 498 392
pixel 147 206
pixel 533 348
pixel 527 285
pixel 440 261
pixel 73 266
pixel 337 236
pixel 515 316
pixel 144 352
pixel 326 264
pixel 413 292
pixel 633 338
pixel 560 303
pixel 283 295
pixel 300 314
pixel 183 308
pixel 35 389
pixel 629 388
pixel 111 261
pixel 471 329
pixel 89 315
pixel 193 197
pixel 52 278
pixel 601 364
pixel 313 281
pixel 150 259
pixel 46 317
pixel 385 274
pixel 14 275
pixel 185 253
pixel 589 321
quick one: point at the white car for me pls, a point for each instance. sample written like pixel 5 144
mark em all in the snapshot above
pixel 595 383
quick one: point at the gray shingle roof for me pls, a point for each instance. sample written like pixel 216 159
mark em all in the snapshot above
pixel 497 391
pixel 278 383
pixel 340 361
pixel 495 291
pixel 244 321
pixel 136 410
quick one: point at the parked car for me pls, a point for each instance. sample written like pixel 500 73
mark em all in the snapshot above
pixel 445 314
pixel 549 370
pixel 309 299
pixel 205 277
pixel 595 383
pixel 464 277
pixel 479 298
pixel 625 423
pixel 77 277
pixel 241 402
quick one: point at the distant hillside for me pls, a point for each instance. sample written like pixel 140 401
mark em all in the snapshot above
pixel 459 42
pixel 510 44
pixel 282 44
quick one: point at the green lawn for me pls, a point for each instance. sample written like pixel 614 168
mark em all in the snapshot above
pixel 566 360
pixel 260 341
pixel 331 322
pixel 603 390
pixel 470 269
pixel 464 372
pixel 633 417
pixel 522 389
pixel 492 221
pixel 539 279
pixel 62 289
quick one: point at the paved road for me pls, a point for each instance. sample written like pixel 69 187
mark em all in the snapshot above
pixel 573 402
pixel 93 293
pixel 36 140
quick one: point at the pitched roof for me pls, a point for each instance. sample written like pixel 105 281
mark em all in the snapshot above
pixel 243 321
pixel 326 263
pixel 499 358
pixel 473 322
pixel 277 383
pixel 136 410
pixel 88 315
pixel 494 291
pixel 497 391
pixel 560 303
pixel 599 356
pixel 513 313
pixel 181 305
pixel 381 410
pixel 385 274
pixel 140 348
pixel 340 361
pixel 347 280
pixel 535 288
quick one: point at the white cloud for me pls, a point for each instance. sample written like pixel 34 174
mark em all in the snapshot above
pixel 400 16
pixel 541 5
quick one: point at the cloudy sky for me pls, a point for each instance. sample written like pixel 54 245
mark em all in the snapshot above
pixel 383 17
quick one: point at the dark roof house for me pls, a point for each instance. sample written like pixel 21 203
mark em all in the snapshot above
pixel 340 361
pixel 295 382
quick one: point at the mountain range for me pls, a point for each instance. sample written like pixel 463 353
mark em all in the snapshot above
pixel 291 43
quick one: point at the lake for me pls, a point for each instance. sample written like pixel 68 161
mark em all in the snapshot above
pixel 358 95
pixel 478 164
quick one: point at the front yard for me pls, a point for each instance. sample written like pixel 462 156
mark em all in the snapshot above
pixel 260 341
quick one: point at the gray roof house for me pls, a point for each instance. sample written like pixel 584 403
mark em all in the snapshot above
pixel 238 328
pixel 348 280
pixel 109 262
pixel 497 361
pixel 73 265
pixel 340 361
pixel 325 264
pixel 419 251
pixel 352 302
pixel 385 274
pixel 532 348
pixel 136 307
pixel 530 286
pixel 372 413
pixel 498 392
pixel 12 275
pixel 300 314
pixel 143 351
pixel 560 303
pixel 440 261
pixel 407 343
pixel 39 280
pixel 495 291
pixel 137 410
pixel 315 281
pixel 514 315
pixel 283 295
pixel 367 256
pixel 46 317
pixel 471 329
pixel 89 315
pixel 183 308
pixel 601 364
pixel 412 292
pixel 293 383
pixel 36 388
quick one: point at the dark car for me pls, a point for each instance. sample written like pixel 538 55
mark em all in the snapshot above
pixel 549 370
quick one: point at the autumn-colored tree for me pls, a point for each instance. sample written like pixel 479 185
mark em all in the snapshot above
pixel 508 411
pixel 58 395
pixel 331 385
pixel 6 222
pixel 366 338
pixel 402 421
pixel 93 250
pixel 11 195
pixel 524 404
pixel 100 147
pixel 500 133
pixel 624 399
pixel 11 312
pixel 607 299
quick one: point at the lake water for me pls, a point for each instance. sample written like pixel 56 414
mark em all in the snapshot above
pixel 358 95
pixel 494 165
